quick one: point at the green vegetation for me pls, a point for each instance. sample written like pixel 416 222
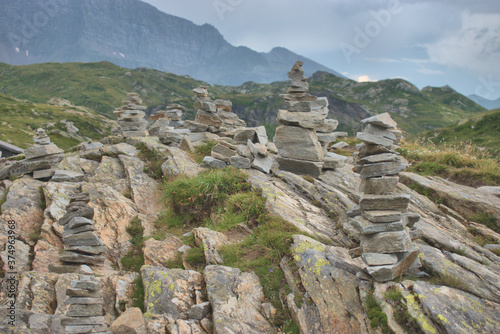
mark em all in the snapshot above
pixel 400 311
pixel 203 150
pixel 138 294
pixel 485 219
pixel 3 199
pixel 480 238
pixel 152 159
pixel 134 259
pixel 377 317
pixel 464 164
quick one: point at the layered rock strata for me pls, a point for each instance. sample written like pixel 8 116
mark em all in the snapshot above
pixel 383 219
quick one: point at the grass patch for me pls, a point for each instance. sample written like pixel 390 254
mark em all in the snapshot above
pixel 400 311
pixel 378 318
pixel 153 161
pixel 203 150
pixel 196 197
pixel 261 252
pixel 486 219
pixel 462 163
pixel 430 194
pixel 138 294
pixel 3 199
pixel 244 207
pixel 134 259
pixel 195 257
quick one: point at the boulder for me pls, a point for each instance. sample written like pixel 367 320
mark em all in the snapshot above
pixel 298 143
pixel 130 322
pixel 236 298
pixel 159 252
pixel 300 167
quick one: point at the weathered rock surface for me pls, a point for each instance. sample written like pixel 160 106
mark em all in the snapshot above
pixel 236 299
pixel 298 143
pixel 211 241
pixel 159 253
pixel 130 322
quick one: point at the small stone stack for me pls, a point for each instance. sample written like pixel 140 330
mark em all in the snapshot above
pixel 296 139
pixel 40 158
pixel 81 243
pixel 212 116
pixel 131 117
pixel 382 218
pixel 167 119
pixel 85 305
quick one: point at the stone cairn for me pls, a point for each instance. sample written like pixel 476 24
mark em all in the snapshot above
pixel 300 150
pixel 40 158
pixel 131 117
pixel 167 119
pixel 85 305
pixel 81 243
pixel 382 216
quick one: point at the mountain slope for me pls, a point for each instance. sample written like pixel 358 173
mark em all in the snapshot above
pixel 133 34
pixel 102 87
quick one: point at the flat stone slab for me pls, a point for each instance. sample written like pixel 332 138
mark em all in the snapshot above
pixel 378 185
pixel 264 164
pixel 382 216
pixel 83 239
pixel 83 300
pixel 364 226
pixel 78 222
pixel 385 273
pixel 384 202
pixel 300 167
pixel 91 310
pixel 214 163
pixel 298 143
pixel 386 242
pixel 384 157
pixel 383 120
pixel 75 321
pixel 382 169
pixel 375 259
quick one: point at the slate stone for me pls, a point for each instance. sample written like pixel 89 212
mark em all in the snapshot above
pixel 375 259
pixel 79 197
pixel 366 227
pixel 208 118
pixel 298 143
pixel 334 161
pixel 383 157
pixel 214 163
pixel 369 149
pixel 75 321
pixel 383 120
pixel 78 291
pixel 300 167
pixel 74 257
pixel 96 250
pixel 382 169
pixel 77 310
pixel 79 229
pixel 264 164
pixel 382 216
pixel 84 300
pixel 384 202
pixel 43 174
pixel 410 218
pixel 83 239
pixel 86 285
pixel 85 329
pixel 199 311
pixel 308 120
pixel 222 152
pixel 374 140
pixel 387 273
pixel 385 242
pixel 379 185
pixel 85 212
pixel 77 222
pixel 38 151
pixel 241 162
pixel 328 126
pixel 173 136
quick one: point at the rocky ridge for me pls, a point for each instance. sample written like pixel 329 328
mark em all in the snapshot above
pixel 105 189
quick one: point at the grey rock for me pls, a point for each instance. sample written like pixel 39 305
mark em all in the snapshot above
pixel 214 163
pixel 86 285
pixel 298 143
pixel 83 239
pixel 159 126
pixel 386 242
pixel 38 151
pixel 384 157
pixel 75 321
pixel 77 222
pixel 340 145
pixel 378 185
pixel 187 145
pixel 85 212
pixel 208 118
pixel 386 273
pixel 172 136
pixel 27 166
pixel 79 229
pixel 382 216
pixel 375 259
pixel 120 148
pixel 199 311
pixel 96 250
pixel 308 120
pixel 77 310
pixel 382 169
pixel 74 257
pixel 195 126
pixel 326 138
pixel 410 218
pixel 43 174
pixel 334 161
pixel 384 202
pixel 79 291
pixel 328 126
pixel 374 139
pixel 300 167
pixel 366 227
pixel 87 146
pixel 83 300
pixel 85 329
pixel 383 120
pixel 222 152
pixel 245 134
pixel 264 164
pixel 241 162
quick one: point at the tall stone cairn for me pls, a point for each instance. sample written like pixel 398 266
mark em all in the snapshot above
pixel 85 305
pixel 131 117
pixel 383 218
pixel 81 244
pixel 299 149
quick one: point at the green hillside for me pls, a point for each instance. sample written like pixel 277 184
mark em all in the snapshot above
pixel 20 119
pixel 102 87
pixel 482 130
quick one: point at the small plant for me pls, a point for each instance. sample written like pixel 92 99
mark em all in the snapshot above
pixel 134 259
pixel 377 317
pixel 204 150
pixel 196 257
pixel 153 161
pixel 175 263
pixel 400 311
pixel 486 219
pixel 122 305
pixel 430 194
pixel 138 294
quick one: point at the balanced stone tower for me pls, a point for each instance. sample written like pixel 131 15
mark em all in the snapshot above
pixel 299 149
pixel 131 117
pixel 383 216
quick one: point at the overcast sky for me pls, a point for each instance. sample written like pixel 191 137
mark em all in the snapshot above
pixel 427 42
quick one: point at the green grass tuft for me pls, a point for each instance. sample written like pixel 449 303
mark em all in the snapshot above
pixel 134 259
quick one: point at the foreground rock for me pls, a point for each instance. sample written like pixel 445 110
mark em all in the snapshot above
pixel 236 299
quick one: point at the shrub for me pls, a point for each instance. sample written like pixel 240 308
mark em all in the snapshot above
pixel 134 259
pixel 203 150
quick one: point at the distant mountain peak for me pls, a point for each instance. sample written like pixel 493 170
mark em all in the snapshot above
pixel 132 34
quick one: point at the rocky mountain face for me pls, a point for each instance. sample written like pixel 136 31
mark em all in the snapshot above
pixel 101 201
pixel 133 34
pixel 488 104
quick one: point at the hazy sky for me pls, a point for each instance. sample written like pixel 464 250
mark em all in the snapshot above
pixel 428 42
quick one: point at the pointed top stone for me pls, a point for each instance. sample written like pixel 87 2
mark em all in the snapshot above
pixel 385 120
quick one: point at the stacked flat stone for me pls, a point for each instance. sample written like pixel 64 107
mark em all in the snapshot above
pixel 212 116
pixel 168 119
pixel 383 216
pixel 81 243
pixel 40 158
pixel 85 305
pixel 299 149
pixel 131 117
